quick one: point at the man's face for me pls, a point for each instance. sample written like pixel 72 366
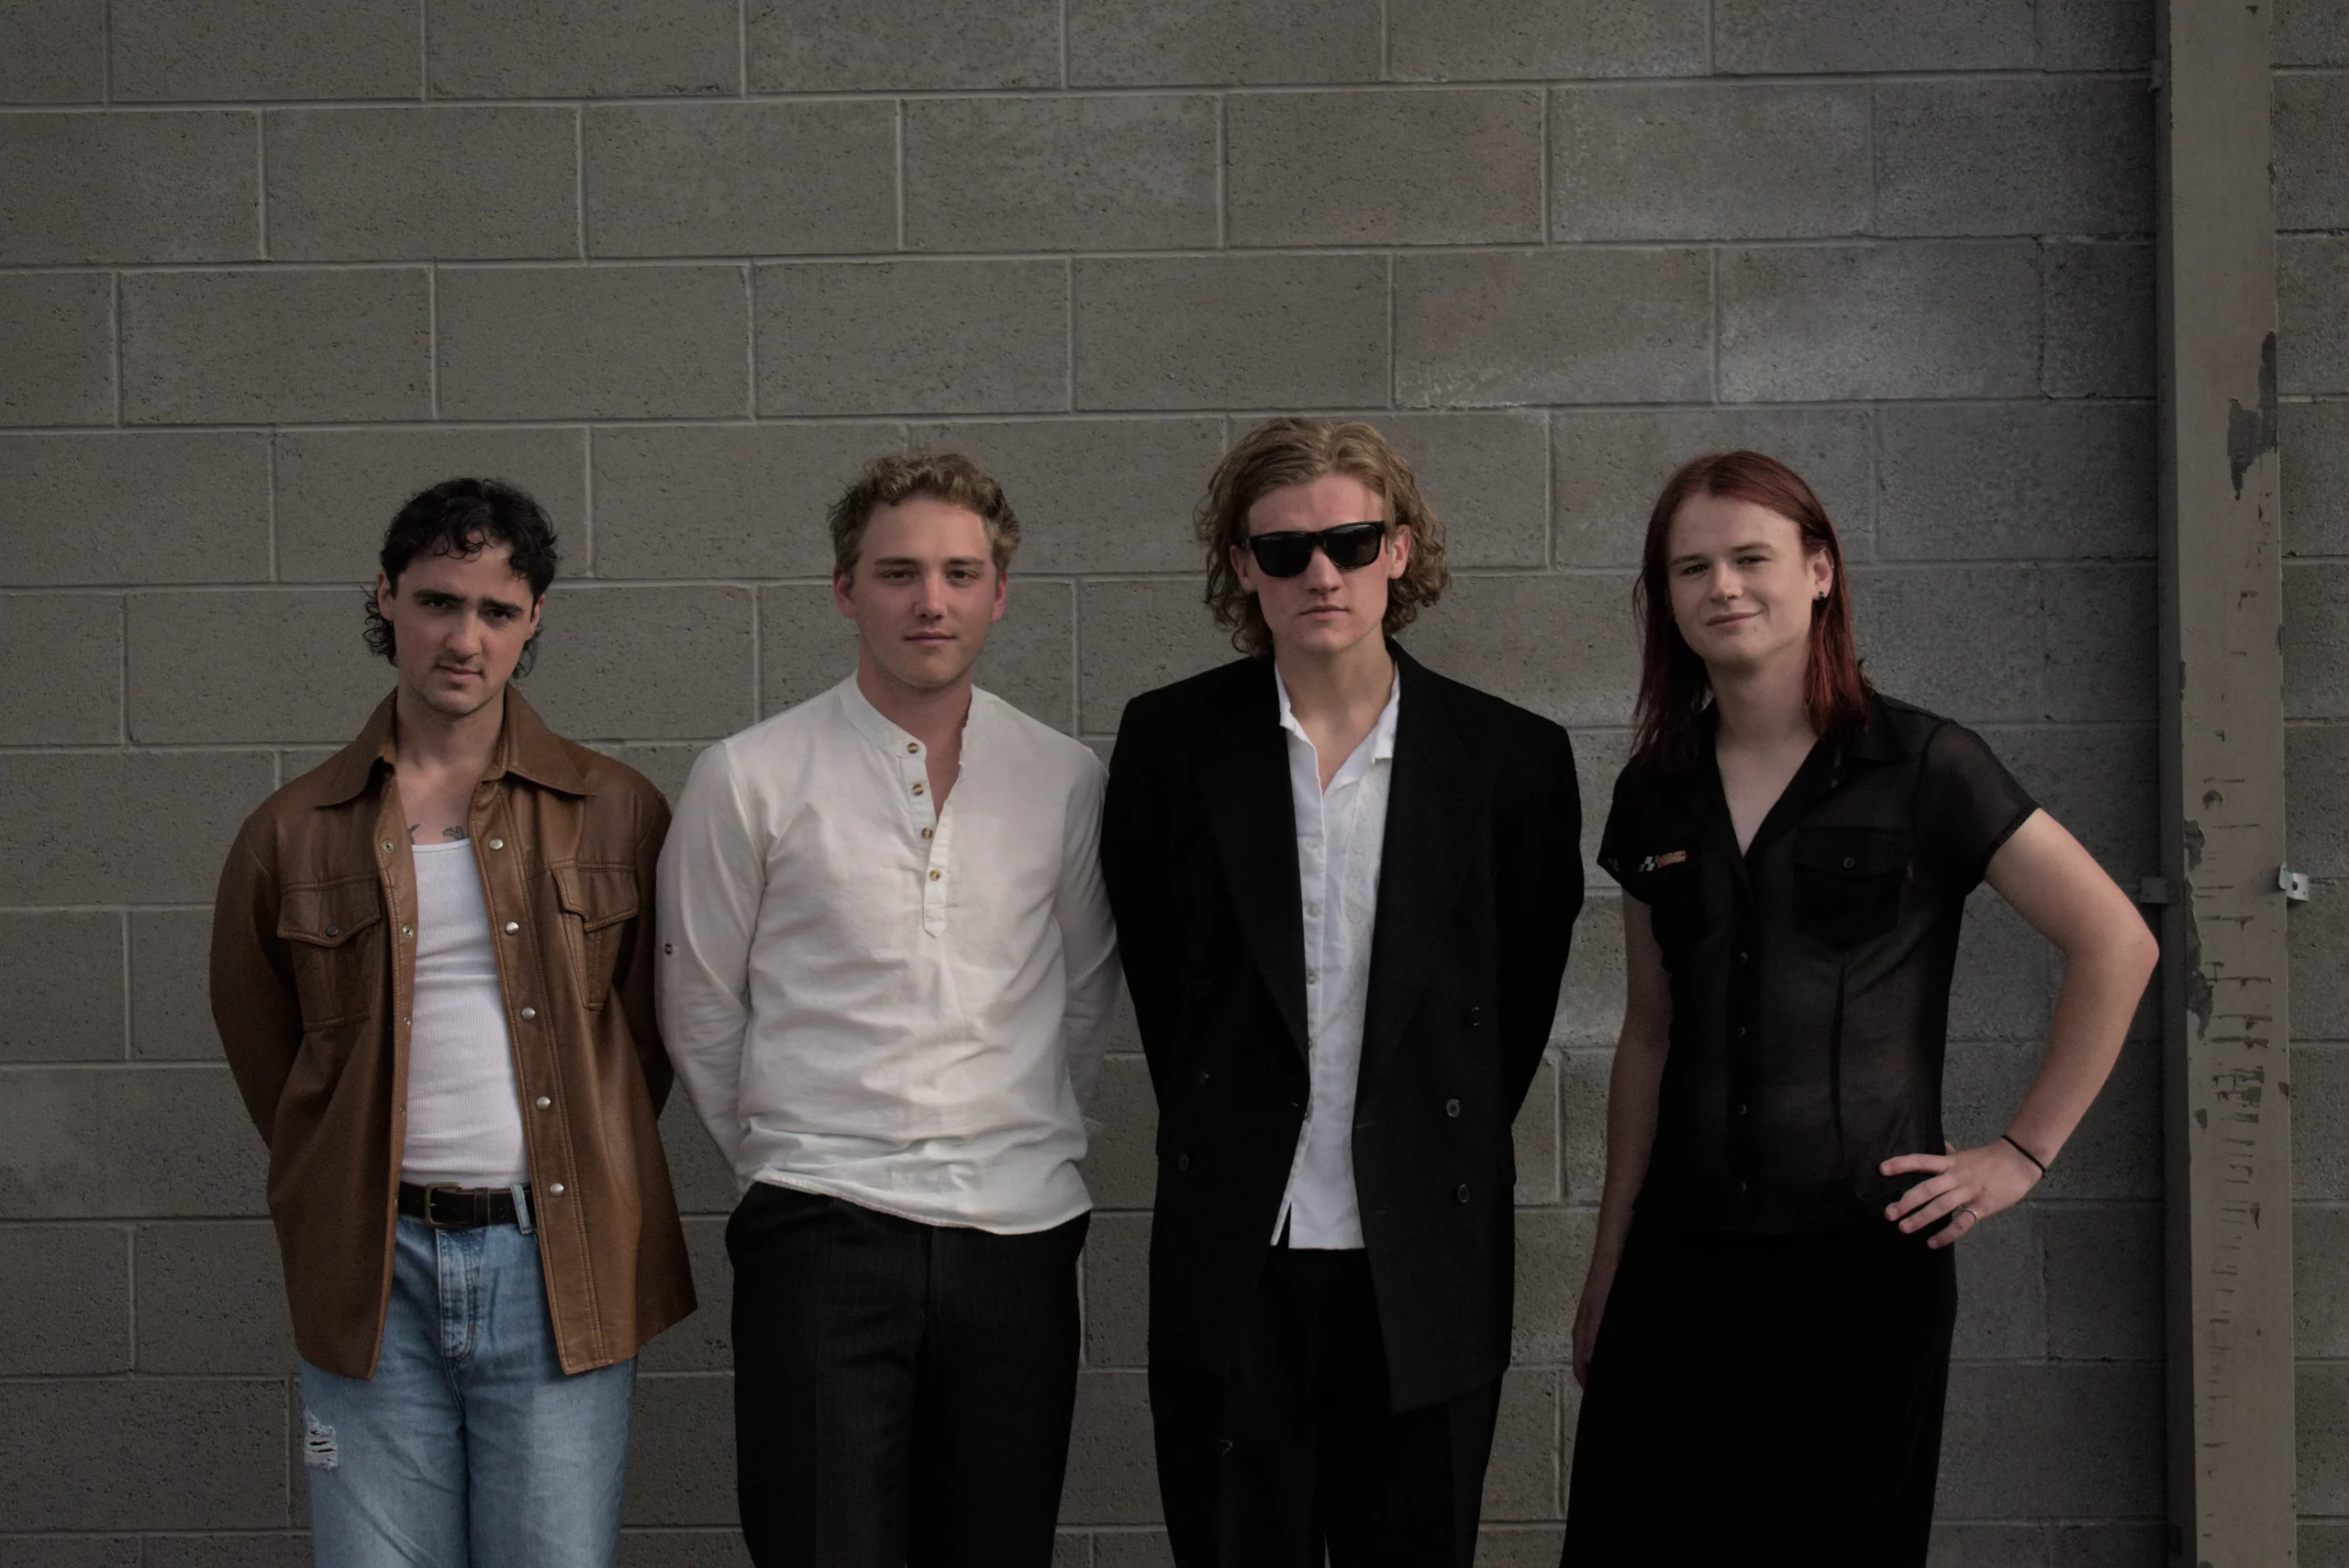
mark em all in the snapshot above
pixel 459 624
pixel 924 592
pixel 1744 587
pixel 1323 609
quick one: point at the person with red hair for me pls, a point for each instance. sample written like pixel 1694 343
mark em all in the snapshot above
pixel 1767 1317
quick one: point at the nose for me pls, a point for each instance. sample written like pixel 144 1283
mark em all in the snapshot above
pixel 1724 583
pixel 930 600
pixel 1321 573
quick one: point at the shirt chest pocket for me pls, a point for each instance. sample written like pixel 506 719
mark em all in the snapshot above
pixel 1847 882
pixel 597 902
pixel 335 936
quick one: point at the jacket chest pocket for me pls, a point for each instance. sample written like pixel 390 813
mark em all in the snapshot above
pixel 597 903
pixel 336 937
pixel 1847 882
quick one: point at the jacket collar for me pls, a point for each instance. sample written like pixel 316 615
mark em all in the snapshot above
pixel 525 746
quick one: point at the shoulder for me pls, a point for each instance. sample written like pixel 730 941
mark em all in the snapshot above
pixel 1936 740
pixel 617 789
pixel 1518 734
pixel 1205 697
pixel 1040 748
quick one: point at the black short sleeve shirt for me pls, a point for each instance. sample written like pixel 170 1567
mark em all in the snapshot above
pixel 1810 974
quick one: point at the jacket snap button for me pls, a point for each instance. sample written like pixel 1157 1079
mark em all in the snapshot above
pixel 542 1102
pixel 1461 1195
pixel 1452 1108
pixel 512 926
pixel 497 843
pixel 334 930
pixel 1203 1075
pixel 1475 1017
pixel 1849 863
pixel 529 1013
pixel 555 1187
pixel 1181 1162
pixel 407 931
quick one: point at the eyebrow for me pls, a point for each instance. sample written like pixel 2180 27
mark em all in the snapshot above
pixel 487 603
pixel 1683 560
pixel 917 561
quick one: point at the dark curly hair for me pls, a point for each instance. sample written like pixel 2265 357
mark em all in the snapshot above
pixel 1287 451
pixel 463 518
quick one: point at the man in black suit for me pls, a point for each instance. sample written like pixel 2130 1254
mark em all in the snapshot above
pixel 1344 888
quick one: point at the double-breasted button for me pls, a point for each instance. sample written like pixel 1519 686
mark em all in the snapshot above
pixel 1475 1017
pixel 1181 1162
pixel 529 1013
pixel 1460 1193
pixel 1452 1108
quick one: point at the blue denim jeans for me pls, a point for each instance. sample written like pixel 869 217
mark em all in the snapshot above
pixel 469 1448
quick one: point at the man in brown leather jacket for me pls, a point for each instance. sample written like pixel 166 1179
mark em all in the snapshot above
pixel 432 962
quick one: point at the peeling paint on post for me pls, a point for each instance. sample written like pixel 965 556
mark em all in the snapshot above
pixel 2224 1001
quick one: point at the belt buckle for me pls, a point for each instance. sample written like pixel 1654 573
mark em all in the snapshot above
pixel 431 1192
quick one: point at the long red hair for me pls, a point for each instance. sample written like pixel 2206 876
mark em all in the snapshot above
pixel 1674 690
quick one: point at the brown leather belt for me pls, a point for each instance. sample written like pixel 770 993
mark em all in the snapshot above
pixel 444 1205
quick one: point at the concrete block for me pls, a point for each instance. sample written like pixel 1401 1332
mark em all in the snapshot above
pixel 645 663
pixel 2098 782
pixel 1136 637
pixel 1959 482
pixel 339 490
pixel 1552 1256
pixel 2313 445
pixel 2310 151
pixel 1130 172
pixel 703 1183
pixel 1599 757
pixel 807 646
pixel 2095 35
pixel 259 347
pixel 2074 1440
pixel 2319 981
pixel 1609 466
pixel 1121 1162
pixel 583 49
pixel 126 1143
pixel 1231 331
pixel 1519 1546
pixel 1591 1003
pixel 591 342
pixel 1411 168
pixel 2005 983
pixel 1485 474
pixel 2002 1295
pixel 1879 321
pixel 684 1549
pixel 666 766
pixel 2324 1543
pixel 1131 1549
pixel 130 187
pixel 1117 1291
pixel 2308 32
pixel 2316 641
pixel 681 1453
pixel 912 337
pixel 2116 1153
pixel 69 1551
pixel 280 1550
pixel 1970 1545
pixel 281 665
pixel 422 183
pixel 1112 1463
pixel 212 1300
pixel 2320 1281
pixel 170 1008
pixel 1535 1139
pixel 122 827
pixel 66 970
pixel 1582 1090
pixel 742 178
pixel 64 1300
pixel 1715 161
pixel 1561 646
pixel 52 52
pixel 726 500
pixel 1427 41
pixel 2114 1543
pixel 2312 330
pixel 2068 155
pixel 1521 1482
pixel 134 508
pixel 1964 641
pixel 76 640
pixel 1072 1549
pixel 1775 37
pixel 1132 43
pixel 704 1341
pixel 209 1455
pixel 2099 327
pixel 2320 1122
pixel 60 329
pixel 2321 1404
pixel 2104 1281
pixel 2316 763
pixel 263 49
pixel 1554 327
pixel 1094 495
pixel 2102 631
pixel 837 46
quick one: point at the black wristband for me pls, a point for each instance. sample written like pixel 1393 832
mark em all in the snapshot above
pixel 2026 1153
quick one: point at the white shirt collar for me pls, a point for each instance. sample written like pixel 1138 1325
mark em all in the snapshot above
pixel 879 728
pixel 1382 734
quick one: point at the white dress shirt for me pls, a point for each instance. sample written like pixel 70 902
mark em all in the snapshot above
pixel 869 998
pixel 1340 839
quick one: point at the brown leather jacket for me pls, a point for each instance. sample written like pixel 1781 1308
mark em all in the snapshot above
pixel 313 979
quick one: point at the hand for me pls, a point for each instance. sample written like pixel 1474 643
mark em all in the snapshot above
pixel 1586 1317
pixel 1973 1184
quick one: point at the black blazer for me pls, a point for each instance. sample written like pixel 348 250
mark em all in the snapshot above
pixel 1479 883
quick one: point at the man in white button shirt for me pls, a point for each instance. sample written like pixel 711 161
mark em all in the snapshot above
pixel 889 969
pixel 1344 888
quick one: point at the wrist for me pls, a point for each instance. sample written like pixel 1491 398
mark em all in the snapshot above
pixel 2037 1166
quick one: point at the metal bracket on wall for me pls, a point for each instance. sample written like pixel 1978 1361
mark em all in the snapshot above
pixel 2156 890
pixel 2295 885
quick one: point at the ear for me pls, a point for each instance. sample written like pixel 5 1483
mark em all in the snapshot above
pixel 1243 566
pixel 1001 586
pixel 383 589
pixel 1398 555
pixel 538 605
pixel 1822 573
pixel 844 591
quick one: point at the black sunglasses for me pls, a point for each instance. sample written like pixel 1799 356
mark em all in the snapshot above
pixel 1350 547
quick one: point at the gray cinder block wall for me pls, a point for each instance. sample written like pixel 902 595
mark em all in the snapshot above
pixel 679 265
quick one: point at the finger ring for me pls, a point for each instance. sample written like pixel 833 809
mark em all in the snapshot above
pixel 1967 1209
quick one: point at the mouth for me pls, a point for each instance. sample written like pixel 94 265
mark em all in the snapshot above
pixel 1733 619
pixel 450 672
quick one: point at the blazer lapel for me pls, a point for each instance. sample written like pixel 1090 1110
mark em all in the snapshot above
pixel 1432 812
pixel 1244 776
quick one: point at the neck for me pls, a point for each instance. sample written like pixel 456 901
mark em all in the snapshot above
pixel 427 741
pixel 933 716
pixel 1761 705
pixel 1347 680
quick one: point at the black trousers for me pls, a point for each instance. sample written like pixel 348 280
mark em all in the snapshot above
pixel 902 1392
pixel 1765 1399
pixel 1294 1448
